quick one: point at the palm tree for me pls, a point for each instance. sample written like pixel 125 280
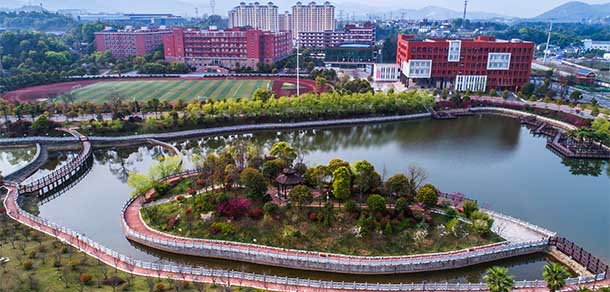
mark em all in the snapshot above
pixel 498 280
pixel 555 276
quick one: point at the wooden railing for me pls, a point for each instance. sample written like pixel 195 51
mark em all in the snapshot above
pixel 580 255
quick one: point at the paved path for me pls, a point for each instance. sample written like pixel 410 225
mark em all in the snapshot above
pixel 227 278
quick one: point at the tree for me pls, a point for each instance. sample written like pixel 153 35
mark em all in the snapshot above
pixel 366 178
pixel 284 152
pixel 555 276
pixel 300 195
pixel 527 89
pixel 376 203
pixel 427 195
pixel 262 94
pixel 416 176
pixel 271 168
pixel 493 92
pixel 342 182
pixel 42 124
pixel 254 182
pixel 498 280
pixel 576 95
pixel 445 93
pixel 505 94
pixel 469 207
pixel 320 83
pixel 397 185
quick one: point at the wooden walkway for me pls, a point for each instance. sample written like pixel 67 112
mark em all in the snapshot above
pixel 56 180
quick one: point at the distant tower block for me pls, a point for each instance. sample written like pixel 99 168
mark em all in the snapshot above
pixel 213 5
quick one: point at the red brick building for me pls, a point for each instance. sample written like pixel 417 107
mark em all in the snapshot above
pixel 130 42
pixel 204 48
pixel 461 64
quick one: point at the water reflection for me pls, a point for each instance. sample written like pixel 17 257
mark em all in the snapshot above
pixel 13 159
pixel 491 159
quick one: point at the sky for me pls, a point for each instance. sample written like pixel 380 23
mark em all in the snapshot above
pixel 519 8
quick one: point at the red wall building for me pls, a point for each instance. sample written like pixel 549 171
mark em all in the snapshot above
pixel 205 48
pixel 130 42
pixel 461 64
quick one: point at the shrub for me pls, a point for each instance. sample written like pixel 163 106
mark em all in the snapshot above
pixel 376 203
pixel 351 207
pixel 270 208
pixel 28 265
pixel 74 263
pixel 234 208
pixel 160 287
pixel 427 195
pixel 256 213
pixel 162 188
pixel 180 198
pixel 469 207
pixel 254 182
pixel 171 222
pixel 86 278
pixel 313 216
pixel 401 205
pixel 32 254
pixel 225 228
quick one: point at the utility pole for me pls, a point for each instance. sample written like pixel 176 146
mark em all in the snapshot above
pixel 298 57
pixel 548 40
pixel 464 16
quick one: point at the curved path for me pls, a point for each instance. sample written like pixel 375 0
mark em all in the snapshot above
pixel 223 277
pixel 523 238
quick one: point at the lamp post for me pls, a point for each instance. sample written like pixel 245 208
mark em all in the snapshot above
pixel 298 69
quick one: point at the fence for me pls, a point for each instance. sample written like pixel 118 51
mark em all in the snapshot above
pixel 580 255
pixel 310 260
pixel 204 274
pixel 64 174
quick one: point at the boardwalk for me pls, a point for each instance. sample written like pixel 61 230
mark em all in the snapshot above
pixel 223 277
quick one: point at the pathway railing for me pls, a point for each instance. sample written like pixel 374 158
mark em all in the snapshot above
pixel 54 180
pixel 580 255
pixel 204 274
pixel 313 260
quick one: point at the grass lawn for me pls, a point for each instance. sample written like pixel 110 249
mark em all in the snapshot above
pixel 41 263
pixel 170 90
pixel 589 106
pixel 306 228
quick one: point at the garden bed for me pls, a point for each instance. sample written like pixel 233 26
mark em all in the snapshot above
pixel 232 216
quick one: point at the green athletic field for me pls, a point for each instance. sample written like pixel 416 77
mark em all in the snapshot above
pixel 170 90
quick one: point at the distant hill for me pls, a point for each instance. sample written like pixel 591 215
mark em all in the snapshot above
pixel 576 11
pixel 429 12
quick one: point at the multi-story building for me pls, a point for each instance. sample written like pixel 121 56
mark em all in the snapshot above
pixel 313 17
pixel 284 21
pixel 596 45
pixel 351 34
pixel 461 64
pixel 129 41
pixel 254 15
pixel 230 48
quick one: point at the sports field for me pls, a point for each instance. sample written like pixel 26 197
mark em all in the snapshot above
pixel 170 90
